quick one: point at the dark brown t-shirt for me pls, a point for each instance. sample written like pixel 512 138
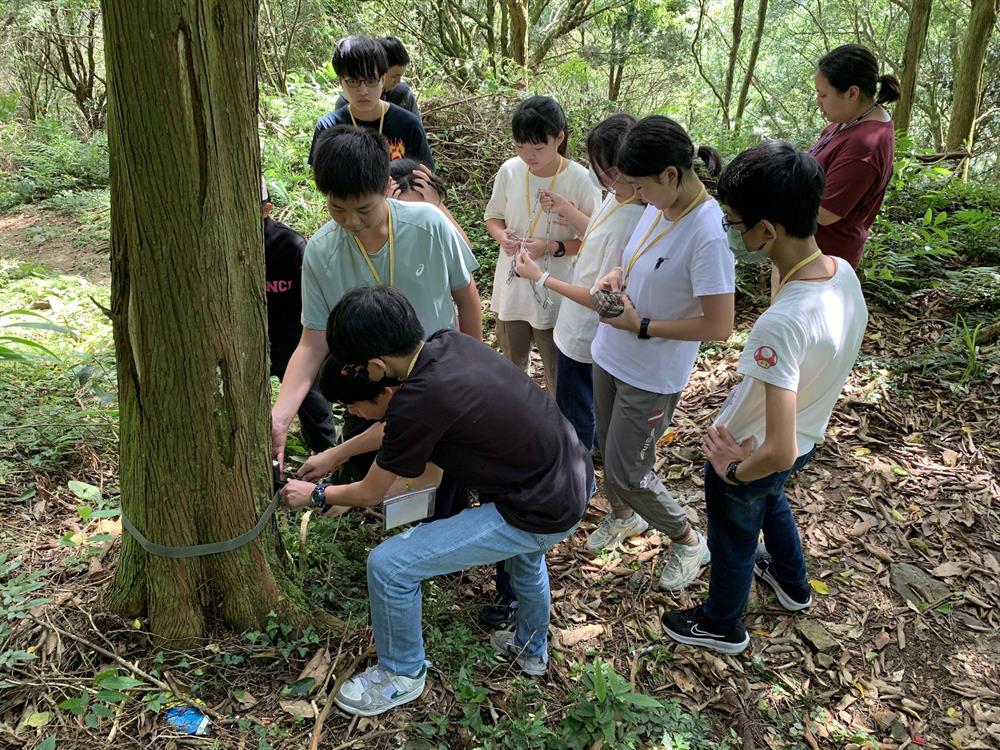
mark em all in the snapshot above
pixel 487 425
pixel 858 165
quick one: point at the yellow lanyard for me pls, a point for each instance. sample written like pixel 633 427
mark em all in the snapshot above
pixel 392 253
pixel 795 269
pixel 381 117
pixel 640 250
pixel 527 197
pixel 601 220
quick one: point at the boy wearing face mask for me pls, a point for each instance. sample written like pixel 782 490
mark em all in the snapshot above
pixel 794 365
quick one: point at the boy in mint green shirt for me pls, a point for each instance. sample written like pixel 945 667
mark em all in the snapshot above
pixel 371 241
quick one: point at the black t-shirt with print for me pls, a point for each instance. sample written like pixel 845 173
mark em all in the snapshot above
pixel 283 252
pixel 489 426
pixel 400 94
pixel 402 130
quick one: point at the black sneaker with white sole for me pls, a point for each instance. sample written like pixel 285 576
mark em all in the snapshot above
pixel 499 616
pixel 687 626
pixel 793 597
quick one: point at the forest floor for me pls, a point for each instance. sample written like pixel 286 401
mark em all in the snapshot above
pixel 898 515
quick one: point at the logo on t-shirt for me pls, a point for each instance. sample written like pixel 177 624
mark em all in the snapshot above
pixel 397 149
pixel 765 357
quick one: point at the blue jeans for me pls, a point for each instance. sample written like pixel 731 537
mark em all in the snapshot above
pixel 736 516
pixel 476 536
pixel 575 396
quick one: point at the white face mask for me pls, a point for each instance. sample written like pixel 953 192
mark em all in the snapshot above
pixel 739 248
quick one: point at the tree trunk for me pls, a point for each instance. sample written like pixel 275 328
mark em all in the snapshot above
pixel 518 31
pixel 969 74
pixel 189 315
pixel 916 35
pixel 758 34
pixel 734 53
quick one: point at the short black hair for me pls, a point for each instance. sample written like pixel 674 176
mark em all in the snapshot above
pixel 360 57
pixel 777 182
pixel 853 65
pixel 341 384
pixel 401 170
pixel 395 52
pixel 537 119
pixel 372 321
pixel 604 141
pixel 657 142
pixel 350 162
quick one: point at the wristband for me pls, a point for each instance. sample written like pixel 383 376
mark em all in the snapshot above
pixel 643 329
pixel 543 278
pixel 319 496
pixel 731 472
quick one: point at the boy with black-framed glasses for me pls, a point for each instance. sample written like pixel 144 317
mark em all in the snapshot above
pixel 361 65
pixel 394 89
pixel 796 360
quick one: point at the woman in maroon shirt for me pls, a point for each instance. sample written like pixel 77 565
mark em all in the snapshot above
pixel 855 150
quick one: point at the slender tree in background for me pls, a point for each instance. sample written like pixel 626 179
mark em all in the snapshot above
pixel 969 75
pixel 758 35
pixel 734 56
pixel 916 35
pixel 188 312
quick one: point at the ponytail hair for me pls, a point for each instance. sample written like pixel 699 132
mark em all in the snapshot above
pixel 888 89
pixel 854 65
pixel 657 142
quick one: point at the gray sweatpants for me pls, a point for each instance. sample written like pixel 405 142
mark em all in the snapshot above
pixel 629 423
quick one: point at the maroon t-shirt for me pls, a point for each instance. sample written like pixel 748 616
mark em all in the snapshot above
pixel 858 165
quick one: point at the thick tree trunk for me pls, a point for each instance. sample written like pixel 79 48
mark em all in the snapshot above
pixel 189 314
pixel 758 34
pixel 518 30
pixel 734 54
pixel 969 74
pixel 916 35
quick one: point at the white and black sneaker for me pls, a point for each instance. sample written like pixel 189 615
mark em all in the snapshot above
pixel 687 626
pixel 793 597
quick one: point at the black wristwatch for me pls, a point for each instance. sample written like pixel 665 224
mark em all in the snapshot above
pixel 644 329
pixel 560 249
pixel 731 472
pixel 319 496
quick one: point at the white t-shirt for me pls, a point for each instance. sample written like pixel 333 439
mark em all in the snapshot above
pixel 577 325
pixel 516 301
pixel 692 261
pixel 807 342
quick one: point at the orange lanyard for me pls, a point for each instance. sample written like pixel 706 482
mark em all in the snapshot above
pixel 527 197
pixel 381 118
pixel 795 269
pixel 640 249
pixel 392 253
pixel 594 225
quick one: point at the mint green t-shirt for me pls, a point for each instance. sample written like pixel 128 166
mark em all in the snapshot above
pixel 432 261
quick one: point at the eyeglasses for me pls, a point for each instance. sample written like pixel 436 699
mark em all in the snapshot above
pixel 356 83
pixel 353 371
pixel 726 224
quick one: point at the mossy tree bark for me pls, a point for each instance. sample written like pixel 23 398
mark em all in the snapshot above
pixel 968 87
pixel 916 35
pixel 189 316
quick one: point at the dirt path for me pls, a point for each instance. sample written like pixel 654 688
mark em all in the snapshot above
pixel 54 240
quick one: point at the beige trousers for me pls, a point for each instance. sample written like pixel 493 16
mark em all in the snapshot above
pixel 516 337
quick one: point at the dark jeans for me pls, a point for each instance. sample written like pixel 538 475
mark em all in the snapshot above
pixel 575 396
pixel 315 417
pixel 736 516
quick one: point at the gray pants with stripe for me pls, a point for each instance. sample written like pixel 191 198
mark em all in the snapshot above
pixel 629 423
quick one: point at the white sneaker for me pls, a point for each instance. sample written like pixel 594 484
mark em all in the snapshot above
pixel 503 641
pixel 613 531
pixel 683 563
pixel 376 690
